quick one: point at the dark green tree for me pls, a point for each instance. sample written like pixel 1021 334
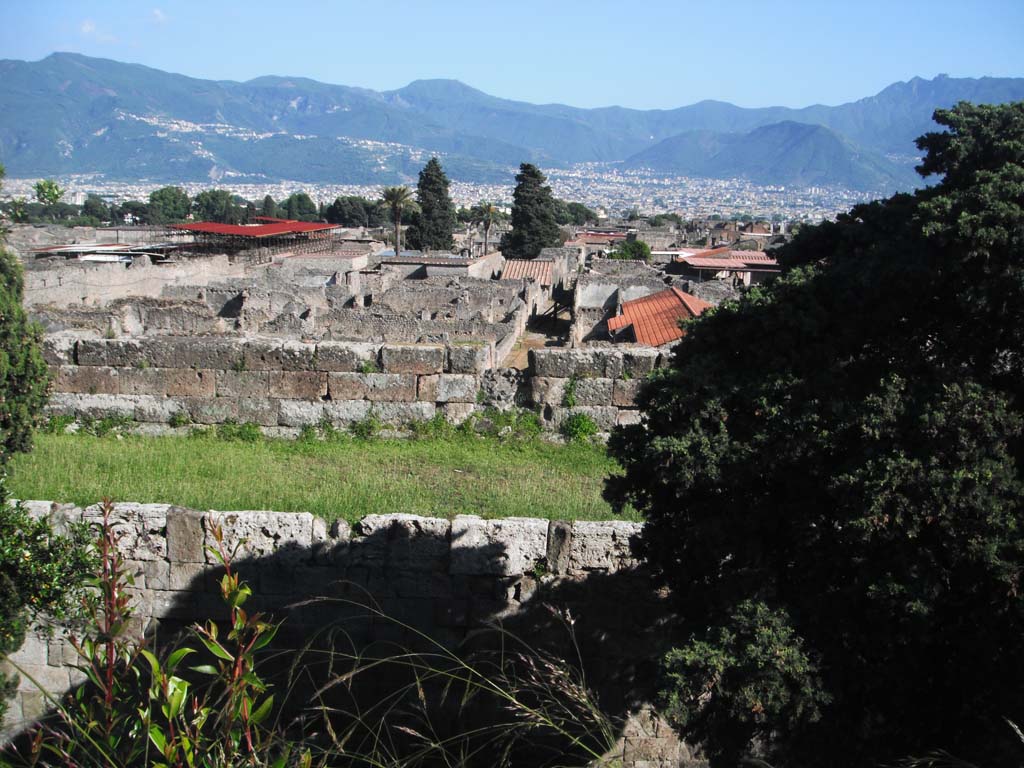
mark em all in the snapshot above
pixel 269 208
pixel 533 216
pixel 95 208
pixel 398 200
pixel 215 205
pixel 40 572
pixel 168 204
pixel 48 192
pixel 434 222
pixel 831 473
pixel 632 250
pixel 300 207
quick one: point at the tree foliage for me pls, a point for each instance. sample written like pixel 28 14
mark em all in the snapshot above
pixel 434 222
pixel 216 205
pixel 48 192
pixel 397 200
pixel 168 204
pixel 355 211
pixel 837 459
pixel 632 250
pixel 39 570
pixel 533 216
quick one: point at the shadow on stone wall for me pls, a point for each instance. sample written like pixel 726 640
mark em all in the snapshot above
pixel 417 605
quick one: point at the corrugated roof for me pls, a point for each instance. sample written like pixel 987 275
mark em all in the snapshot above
pixel 255 230
pixel 656 318
pixel 517 269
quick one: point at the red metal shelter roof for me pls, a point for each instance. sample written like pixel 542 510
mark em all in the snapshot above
pixel 655 318
pixel 517 269
pixel 255 230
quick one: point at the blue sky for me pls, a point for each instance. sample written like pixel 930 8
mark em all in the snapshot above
pixel 656 54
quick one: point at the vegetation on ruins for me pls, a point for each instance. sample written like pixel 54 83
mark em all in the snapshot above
pixel 434 221
pixel 573 213
pixel 832 471
pixel 486 214
pixel 533 216
pixel 397 200
pixel 40 571
pixel 631 250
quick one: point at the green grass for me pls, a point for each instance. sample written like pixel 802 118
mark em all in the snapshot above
pixel 342 478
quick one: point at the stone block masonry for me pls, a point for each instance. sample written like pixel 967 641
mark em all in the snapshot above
pixel 448 579
pixel 285 383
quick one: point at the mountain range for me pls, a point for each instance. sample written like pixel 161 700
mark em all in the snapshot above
pixel 73 114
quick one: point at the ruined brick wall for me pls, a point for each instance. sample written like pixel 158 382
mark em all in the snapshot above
pixel 279 383
pixel 448 579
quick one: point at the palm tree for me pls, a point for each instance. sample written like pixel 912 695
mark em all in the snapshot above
pixel 397 198
pixel 485 213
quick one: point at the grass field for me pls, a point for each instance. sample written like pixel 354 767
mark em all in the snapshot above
pixel 342 478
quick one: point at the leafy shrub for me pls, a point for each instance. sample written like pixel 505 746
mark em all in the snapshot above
pixel 246 433
pixel 106 425
pixel 577 427
pixel 58 425
pixel 435 428
pixel 369 366
pixel 180 419
pixel 366 429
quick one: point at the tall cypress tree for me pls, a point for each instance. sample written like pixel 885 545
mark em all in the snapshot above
pixel 434 223
pixel 533 216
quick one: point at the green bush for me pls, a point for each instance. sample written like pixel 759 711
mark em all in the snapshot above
pixel 246 433
pixel 366 429
pixel 577 427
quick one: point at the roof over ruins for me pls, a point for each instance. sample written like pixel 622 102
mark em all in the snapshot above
pixel 655 319
pixel 273 229
pixel 517 269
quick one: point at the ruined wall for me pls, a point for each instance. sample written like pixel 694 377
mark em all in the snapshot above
pixel 448 579
pixel 265 381
pixel 64 283
pixel 274 383
pixel 602 383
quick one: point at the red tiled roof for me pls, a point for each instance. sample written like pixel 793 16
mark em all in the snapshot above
pixel 655 318
pixel 255 230
pixel 517 269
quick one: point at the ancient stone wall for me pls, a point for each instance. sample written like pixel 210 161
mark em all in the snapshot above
pixel 97 284
pixel 400 579
pixel 288 384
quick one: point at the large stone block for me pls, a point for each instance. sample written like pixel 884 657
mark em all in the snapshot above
pixel 468 358
pixel 298 385
pixel 507 547
pixel 258 410
pixel 376 387
pixel 604 416
pixel 242 383
pixel 92 406
pixel 346 356
pixel 405 542
pixel 593 391
pixel 59 349
pixel 402 413
pixel 151 409
pixel 186 536
pixel 299 413
pixel 89 380
pixel 297 356
pixel 117 353
pixel 563 363
pixel 412 358
pixel 139 529
pixel 213 410
pixel 602 546
pixel 628 417
pixel 625 391
pixel 638 362
pixel 187 382
pixel 426 388
pixel 457 388
pixel 142 381
pixel 457 413
pixel 285 536
pixel 545 390
pixel 260 355
pixel 341 413
pixel 191 352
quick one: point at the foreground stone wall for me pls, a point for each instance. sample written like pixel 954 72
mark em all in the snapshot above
pixel 277 383
pixel 448 579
